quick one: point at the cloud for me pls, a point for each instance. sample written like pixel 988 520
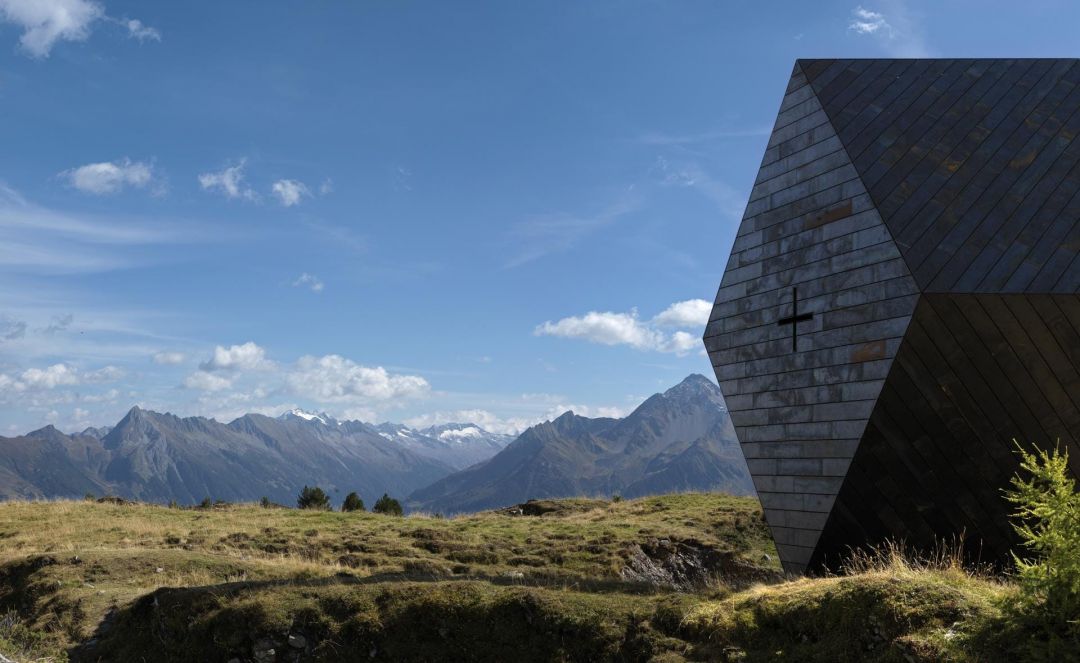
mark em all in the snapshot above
pixel 59 323
pixel 44 22
pixel 896 29
pixel 606 328
pixel 246 357
pixel 40 239
pixel 290 192
pixel 555 233
pixel 309 281
pixel 691 175
pixel 57 375
pixel 866 22
pixel 49 377
pixel 110 176
pixel 168 358
pixel 610 328
pixel 689 313
pixel 229 181
pixel 335 379
pixel 326 187
pixel 11 328
pixel 138 30
pixel 203 381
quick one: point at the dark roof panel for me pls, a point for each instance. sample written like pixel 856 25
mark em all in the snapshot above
pixel 971 163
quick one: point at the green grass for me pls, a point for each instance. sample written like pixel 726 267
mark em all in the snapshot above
pixel 152 583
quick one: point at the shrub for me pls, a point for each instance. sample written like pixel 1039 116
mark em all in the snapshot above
pixel 352 503
pixel 264 502
pixel 206 503
pixel 616 498
pixel 313 498
pixel 387 505
pixel 90 497
pixel 1047 518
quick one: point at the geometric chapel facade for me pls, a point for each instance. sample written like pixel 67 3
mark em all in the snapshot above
pixel 902 300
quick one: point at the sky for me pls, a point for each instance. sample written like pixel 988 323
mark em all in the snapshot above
pixel 394 210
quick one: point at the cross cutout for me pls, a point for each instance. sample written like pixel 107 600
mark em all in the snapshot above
pixel 794 319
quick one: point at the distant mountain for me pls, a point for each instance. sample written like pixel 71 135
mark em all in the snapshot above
pixel 161 457
pixel 679 440
pixel 457 445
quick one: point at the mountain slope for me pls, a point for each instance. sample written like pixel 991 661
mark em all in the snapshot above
pixel 160 457
pixel 679 440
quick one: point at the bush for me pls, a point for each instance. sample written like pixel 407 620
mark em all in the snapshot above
pixel 616 498
pixel 387 505
pixel 264 502
pixel 352 503
pixel 1047 518
pixel 206 503
pixel 90 497
pixel 313 498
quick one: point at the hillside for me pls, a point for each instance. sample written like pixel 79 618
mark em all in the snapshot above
pixel 672 578
pixel 679 440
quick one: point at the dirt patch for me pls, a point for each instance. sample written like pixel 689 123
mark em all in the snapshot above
pixel 688 565
pixel 552 508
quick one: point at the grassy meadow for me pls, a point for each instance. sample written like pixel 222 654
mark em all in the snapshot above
pixel 126 582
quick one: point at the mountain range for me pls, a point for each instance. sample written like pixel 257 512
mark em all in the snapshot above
pixel 681 439
pixel 676 441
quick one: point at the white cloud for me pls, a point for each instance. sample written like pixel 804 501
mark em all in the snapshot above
pixel 49 377
pixel 689 313
pixel 105 374
pixel 138 30
pixel 326 187
pixel 309 281
pixel 110 176
pixel 896 29
pixel 610 328
pixel 290 192
pixel 204 381
pixel 336 379
pixel 606 328
pixel 246 357
pixel 866 22
pixel 229 181
pixel 44 22
pixel 169 358
pixel 57 375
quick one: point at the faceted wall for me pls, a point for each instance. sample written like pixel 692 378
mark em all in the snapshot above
pixel 901 299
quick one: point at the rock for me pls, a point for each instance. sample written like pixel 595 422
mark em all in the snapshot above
pixel 686 565
pixel 159 570
pixel 263 651
pixel 297 641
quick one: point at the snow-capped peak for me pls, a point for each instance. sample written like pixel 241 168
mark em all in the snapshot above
pixel 458 434
pixel 297 413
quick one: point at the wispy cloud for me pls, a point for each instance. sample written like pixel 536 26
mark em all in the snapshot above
pixel 290 192
pixel 140 31
pixel 229 181
pixel 42 240
pixel 309 281
pixel 896 29
pixel 543 235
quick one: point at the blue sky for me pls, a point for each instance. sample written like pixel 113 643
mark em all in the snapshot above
pixel 408 211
